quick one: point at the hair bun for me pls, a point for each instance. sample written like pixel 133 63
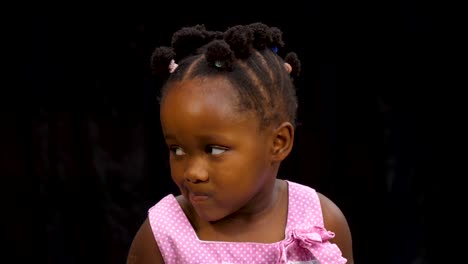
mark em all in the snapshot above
pixel 262 35
pixel 187 40
pixel 277 38
pixel 160 60
pixel 295 63
pixel 240 40
pixel 219 55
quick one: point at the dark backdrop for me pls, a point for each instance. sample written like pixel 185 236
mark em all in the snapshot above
pixel 81 121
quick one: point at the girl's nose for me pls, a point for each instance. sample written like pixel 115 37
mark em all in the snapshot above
pixel 196 172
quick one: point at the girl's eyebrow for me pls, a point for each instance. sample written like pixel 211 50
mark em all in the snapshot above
pixel 217 137
pixel 205 138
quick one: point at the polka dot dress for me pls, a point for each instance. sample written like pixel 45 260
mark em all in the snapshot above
pixel 305 241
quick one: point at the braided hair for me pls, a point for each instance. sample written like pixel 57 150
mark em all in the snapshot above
pixel 246 55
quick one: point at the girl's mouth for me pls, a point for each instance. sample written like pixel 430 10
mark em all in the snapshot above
pixel 196 198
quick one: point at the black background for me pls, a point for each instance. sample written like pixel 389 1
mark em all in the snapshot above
pixel 81 121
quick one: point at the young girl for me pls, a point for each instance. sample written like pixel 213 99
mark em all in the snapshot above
pixel 228 113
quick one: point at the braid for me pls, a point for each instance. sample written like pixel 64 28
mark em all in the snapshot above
pixel 246 55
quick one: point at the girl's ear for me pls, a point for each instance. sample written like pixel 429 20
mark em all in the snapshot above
pixel 283 139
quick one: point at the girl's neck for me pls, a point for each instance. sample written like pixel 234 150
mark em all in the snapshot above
pixel 260 205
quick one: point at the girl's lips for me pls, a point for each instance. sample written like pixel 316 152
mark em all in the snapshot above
pixel 197 197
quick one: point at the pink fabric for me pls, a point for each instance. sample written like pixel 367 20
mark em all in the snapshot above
pixel 306 240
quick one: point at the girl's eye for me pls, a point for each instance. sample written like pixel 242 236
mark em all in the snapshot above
pixel 178 151
pixel 215 150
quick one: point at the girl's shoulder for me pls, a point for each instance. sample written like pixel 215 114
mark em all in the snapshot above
pixel 333 218
pixel 335 221
pixel 144 248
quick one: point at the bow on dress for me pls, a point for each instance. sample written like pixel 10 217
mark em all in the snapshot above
pixel 308 238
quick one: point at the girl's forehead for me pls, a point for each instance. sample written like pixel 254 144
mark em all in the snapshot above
pixel 215 88
pixel 199 99
pixel 203 111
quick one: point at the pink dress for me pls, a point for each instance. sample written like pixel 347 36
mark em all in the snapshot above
pixel 305 237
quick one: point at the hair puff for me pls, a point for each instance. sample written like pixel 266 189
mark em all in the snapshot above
pixel 262 36
pixel 187 40
pixel 160 60
pixel 295 63
pixel 219 55
pixel 240 40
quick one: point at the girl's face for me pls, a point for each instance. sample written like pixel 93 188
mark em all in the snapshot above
pixel 219 156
